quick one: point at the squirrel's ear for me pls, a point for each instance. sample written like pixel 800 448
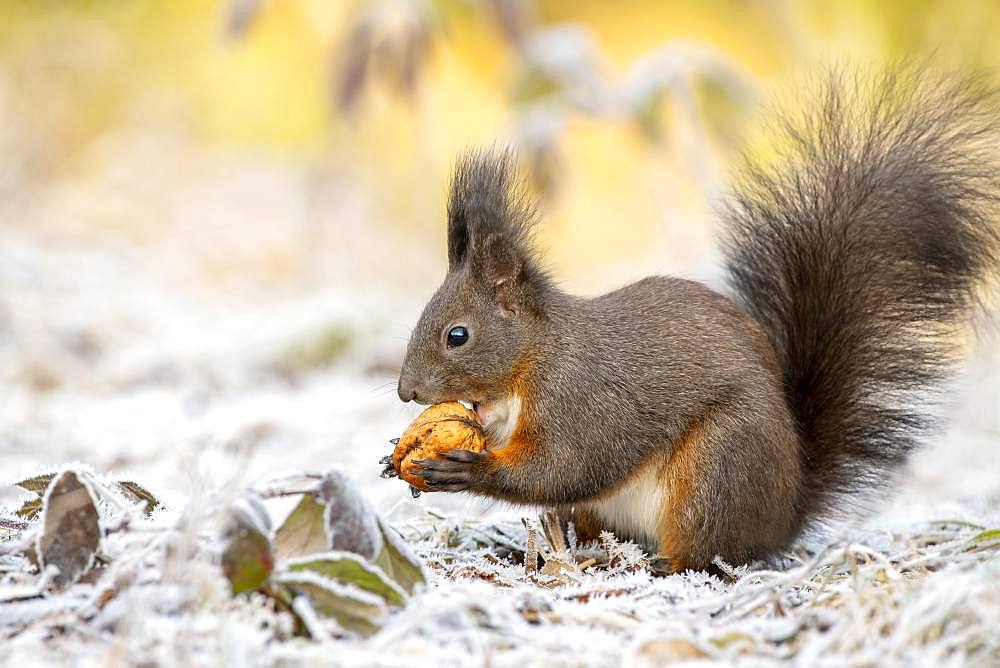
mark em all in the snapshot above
pixel 501 267
pixel 489 220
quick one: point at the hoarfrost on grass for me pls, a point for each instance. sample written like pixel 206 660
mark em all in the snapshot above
pixel 928 595
pixel 199 414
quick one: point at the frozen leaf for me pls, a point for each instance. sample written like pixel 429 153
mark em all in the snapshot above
pixel 397 561
pixel 71 530
pixel 303 532
pixel 348 568
pixel 30 509
pixel 311 622
pixel 137 492
pixel 351 522
pixel 247 561
pixel 37 484
pixel 352 608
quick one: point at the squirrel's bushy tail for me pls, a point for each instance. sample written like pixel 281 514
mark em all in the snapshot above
pixel 861 255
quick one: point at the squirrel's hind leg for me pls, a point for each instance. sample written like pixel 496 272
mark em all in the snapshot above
pixel 732 482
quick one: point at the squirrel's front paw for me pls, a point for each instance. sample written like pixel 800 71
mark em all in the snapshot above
pixel 456 471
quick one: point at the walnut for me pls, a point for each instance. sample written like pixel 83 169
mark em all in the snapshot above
pixel 441 427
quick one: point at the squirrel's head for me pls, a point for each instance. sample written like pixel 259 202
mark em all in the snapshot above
pixel 479 326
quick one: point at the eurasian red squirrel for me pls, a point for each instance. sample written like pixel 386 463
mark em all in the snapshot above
pixel 708 425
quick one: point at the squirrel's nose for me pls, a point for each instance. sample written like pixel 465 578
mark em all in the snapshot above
pixel 406 389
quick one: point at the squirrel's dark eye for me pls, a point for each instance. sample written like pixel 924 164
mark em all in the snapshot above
pixel 457 336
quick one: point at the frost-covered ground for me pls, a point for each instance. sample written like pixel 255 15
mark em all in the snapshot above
pixel 104 363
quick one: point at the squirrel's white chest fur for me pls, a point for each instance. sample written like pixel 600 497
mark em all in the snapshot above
pixel 634 510
pixel 500 418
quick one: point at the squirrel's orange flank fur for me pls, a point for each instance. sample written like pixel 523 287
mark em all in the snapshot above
pixel 703 424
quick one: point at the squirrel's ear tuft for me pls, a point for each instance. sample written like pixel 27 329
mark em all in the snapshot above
pixel 458 238
pixel 490 219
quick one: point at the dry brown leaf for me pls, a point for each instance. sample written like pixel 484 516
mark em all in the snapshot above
pixel 71 530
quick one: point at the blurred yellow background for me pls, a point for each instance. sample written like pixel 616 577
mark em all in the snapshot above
pixel 227 142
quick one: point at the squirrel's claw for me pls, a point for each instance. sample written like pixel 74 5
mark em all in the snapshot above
pixel 457 471
pixel 388 470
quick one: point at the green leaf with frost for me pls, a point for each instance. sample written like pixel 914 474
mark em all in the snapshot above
pixel 349 568
pixel 247 560
pixel 353 608
pixel 397 561
pixel 303 531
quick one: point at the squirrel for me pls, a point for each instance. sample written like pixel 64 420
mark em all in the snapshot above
pixel 706 425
